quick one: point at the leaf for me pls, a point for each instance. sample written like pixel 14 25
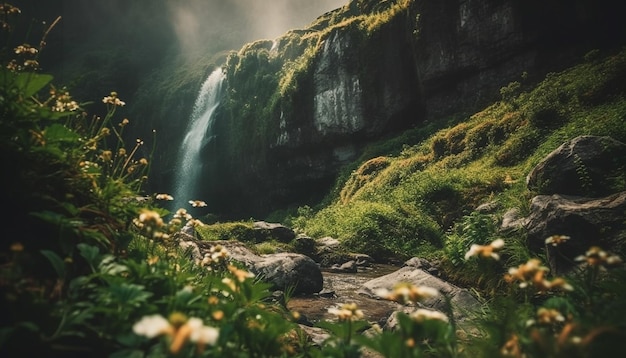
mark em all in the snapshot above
pixel 129 293
pixel 110 267
pixel 90 253
pixel 56 261
pixel 31 83
pixel 129 339
pixel 60 133
pixel 27 82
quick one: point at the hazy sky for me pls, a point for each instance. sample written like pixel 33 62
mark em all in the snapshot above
pixel 193 20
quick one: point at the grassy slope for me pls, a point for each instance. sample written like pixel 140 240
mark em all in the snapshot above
pixel 418 201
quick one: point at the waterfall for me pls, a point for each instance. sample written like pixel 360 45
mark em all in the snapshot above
pixel 199 132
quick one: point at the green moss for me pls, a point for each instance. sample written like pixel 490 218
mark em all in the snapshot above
pixel 242 231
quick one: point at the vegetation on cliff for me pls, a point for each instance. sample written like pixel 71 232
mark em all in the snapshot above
pixel 271 85
pixel 422 188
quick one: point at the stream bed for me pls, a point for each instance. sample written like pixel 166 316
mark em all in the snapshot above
pixel 342 288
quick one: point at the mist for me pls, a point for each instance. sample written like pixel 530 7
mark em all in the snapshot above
pixel 235 22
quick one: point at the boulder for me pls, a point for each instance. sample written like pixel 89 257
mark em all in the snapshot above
pixel 512 221
pixel 282 270
pixel 274 231
pixel 587 221
pixel 584 166
pixel 305 245
pixel 285 270
pixel 346 267
pixel 423 264
pixel 461 299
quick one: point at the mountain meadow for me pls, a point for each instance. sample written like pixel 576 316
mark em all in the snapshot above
pixel 182 178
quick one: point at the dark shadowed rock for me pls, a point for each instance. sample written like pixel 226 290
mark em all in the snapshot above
pixel 305 245
pixel 285 270
pixel 282 270
pixel 274 231
pixel 327 244
pixel 588 222
pixel 583 166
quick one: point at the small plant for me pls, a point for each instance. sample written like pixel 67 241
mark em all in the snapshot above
pixel 473 229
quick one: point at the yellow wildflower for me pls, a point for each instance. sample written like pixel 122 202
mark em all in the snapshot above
pixel 152 326
pixel 17 247
pixel 422 315
pixel 347 312
pixel 556 240
pixel 595 256
pixel 241 275
pixel 197 203
pixel 164 197
pixel 405 292
pixel 486 251
pixel 113 100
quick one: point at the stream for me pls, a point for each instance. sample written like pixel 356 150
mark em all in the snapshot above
pixel 342 288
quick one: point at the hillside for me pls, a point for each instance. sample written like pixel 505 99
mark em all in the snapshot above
pixel 408 192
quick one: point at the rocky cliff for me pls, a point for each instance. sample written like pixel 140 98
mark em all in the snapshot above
pixel 300 107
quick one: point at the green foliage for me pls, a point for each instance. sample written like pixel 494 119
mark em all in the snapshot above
pixel 242 231
pixel 475 228
pixel 377 229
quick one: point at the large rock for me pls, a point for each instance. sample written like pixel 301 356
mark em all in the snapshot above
pixel 583 166
pixel 274 231
pixel 287 270
pixel 587 221
pixel 283 270
pixel 462 301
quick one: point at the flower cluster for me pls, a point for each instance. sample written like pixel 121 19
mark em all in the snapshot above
pixel 420 315
pixel 7 9
pixel 532 274
pixel 405 293
pixel 596 257
pixel 27 58
pixel 26 49
pixel 164 197
pixel 547 317
pixel 178 329
pixel 240 277
pixel 486 251
pixel 347 312
pixel 556 240
pixel 217 255
pixel 182 214
pixel 512 347
pixel 112 99
pixel 151 224
pixel 197 203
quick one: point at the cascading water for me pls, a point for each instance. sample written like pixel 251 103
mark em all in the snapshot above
pixel 199 132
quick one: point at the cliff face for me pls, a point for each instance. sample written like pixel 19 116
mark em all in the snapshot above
pixel 299 108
